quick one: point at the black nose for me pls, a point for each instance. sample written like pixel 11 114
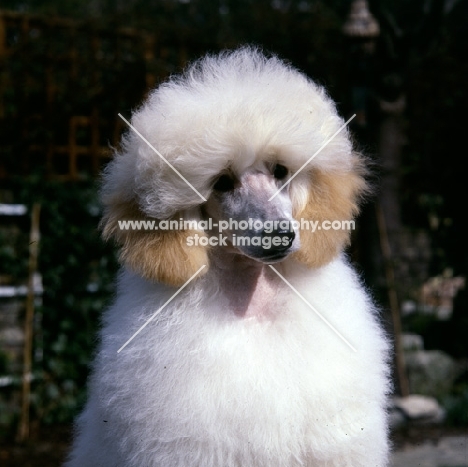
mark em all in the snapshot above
pixel 281 237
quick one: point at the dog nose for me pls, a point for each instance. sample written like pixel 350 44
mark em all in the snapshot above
pixel 284 232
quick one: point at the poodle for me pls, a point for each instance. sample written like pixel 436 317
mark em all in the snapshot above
pixel 240 336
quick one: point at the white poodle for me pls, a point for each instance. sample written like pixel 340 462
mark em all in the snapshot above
pixel 271 355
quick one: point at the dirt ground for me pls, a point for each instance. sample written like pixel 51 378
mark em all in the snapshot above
pixel 48 445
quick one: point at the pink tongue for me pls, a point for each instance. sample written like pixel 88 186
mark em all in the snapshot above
pixel 254 298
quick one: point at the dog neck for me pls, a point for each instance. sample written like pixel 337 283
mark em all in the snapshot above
pixel 250 286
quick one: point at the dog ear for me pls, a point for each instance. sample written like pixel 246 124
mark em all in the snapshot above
pixel 333 196
pixel 158 255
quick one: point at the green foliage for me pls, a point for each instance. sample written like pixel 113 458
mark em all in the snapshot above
pixel 3 362
pixel 78 271
pixel 456 406
pixel 13 252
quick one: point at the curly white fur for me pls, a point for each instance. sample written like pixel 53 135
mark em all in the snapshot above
pixel 207 385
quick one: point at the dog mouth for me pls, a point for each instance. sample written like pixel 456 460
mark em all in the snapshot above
pixel 267 247
pixel 272 259
pixel 268 255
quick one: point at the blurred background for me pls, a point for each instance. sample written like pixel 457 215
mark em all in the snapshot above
pixel 67 68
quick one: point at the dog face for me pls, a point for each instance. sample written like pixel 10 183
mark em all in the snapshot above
pixel 236 127
pixel 259 227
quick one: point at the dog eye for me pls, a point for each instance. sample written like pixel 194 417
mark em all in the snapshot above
pixel 280 171
pixel 224 183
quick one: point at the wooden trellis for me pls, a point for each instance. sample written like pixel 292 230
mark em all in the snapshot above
pixel 62 84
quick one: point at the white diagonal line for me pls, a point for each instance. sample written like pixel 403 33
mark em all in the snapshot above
pixel 314 310
pixel 162 157
pixel 159 310
pixel 305 163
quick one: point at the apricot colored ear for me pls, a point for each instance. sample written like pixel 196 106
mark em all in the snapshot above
pixel 158 255
pixel 333 196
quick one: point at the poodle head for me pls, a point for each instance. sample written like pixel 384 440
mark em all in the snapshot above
pixel 219 142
